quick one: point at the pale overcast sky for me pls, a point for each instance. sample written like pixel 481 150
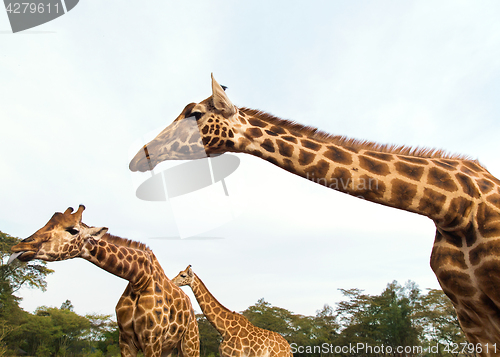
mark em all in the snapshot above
pixel 80 93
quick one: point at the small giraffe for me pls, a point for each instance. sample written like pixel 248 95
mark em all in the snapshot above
pixel 458 194
pixel 153 314
pixel 240 337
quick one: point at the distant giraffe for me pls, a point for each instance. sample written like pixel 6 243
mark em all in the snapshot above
pixel 240 337
pixel 458 194
pixel 153 314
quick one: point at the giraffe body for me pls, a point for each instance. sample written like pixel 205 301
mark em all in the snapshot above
pixel 240 337
pixel 458 194
pixel 153 314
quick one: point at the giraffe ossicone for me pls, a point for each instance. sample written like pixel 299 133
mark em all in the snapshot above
pixel 153 314
pixel 458 194
pixel 240 338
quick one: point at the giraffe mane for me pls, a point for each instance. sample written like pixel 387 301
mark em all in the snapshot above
pixel 354 144
pixel 124 242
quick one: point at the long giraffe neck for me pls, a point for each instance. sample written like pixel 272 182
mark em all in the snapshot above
pixel 217 314
pixel 129 260
pixel 421 181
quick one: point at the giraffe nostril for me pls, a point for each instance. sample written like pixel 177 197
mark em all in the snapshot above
pixel 27 240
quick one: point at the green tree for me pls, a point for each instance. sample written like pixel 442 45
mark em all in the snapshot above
pixel 210 339
pixel 12 278
pixel 440 322
pixel 67 305
pixel 51 331
pixel 325 326
pixel 19 274
pixel 388 319
pixel 268 317
pixel 102 332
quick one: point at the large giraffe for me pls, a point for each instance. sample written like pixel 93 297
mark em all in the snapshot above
pixel 240 337
pixel 458 194
pixel 153 314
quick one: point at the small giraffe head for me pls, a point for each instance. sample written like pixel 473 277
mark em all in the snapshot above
pixel 61 238
pixel 184 278
pixel 202 129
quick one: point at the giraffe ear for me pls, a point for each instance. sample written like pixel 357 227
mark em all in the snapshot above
pixel 221 101
pixel 97 232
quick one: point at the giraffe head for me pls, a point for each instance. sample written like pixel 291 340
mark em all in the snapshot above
pixel 184 278
pixel 202 129
pixel 61 238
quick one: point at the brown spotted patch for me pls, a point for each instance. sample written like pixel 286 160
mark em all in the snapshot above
pixel 310 144
pixel 492 178
pixel 284 148
pixel 413 172
pixel 374 166
pixel 457 282
pixel 431 204
pixel 288 165
pixel 253 133
pixel 268 146
pixel 351 149
pixel 257 122
pixel 466 321
pixel 442 179
pixel 243 143
pixel 414 160
pixel 273 160
pixel 443 256
pixel 380 155
pixel 341 178
pixel 444 165
pixel 490 304
pixel 278 129
pixel 291 139
pixel 488 220
pixel 318 170
pixel 402 193
pixel 485 185
pixel 488 277
pixel 101 253
pixel 470 235
pixel 305 157
pixel 272 133
pixel 213 141
pixel 338 155
pixel 450 295
pixel 467 185
pixel 452 163
pixel 256 153
pixel 467 171
pixel 459 208
pixel 484 250
pixel 372 189
pixel 473 166
pixel 494 200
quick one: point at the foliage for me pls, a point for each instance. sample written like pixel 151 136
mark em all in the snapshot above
pixel 209 337
pixel 19 274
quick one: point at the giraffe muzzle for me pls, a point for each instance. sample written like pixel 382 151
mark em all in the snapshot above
pixel 23 256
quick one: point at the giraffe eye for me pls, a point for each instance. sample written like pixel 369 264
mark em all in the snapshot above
pixel 72 231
